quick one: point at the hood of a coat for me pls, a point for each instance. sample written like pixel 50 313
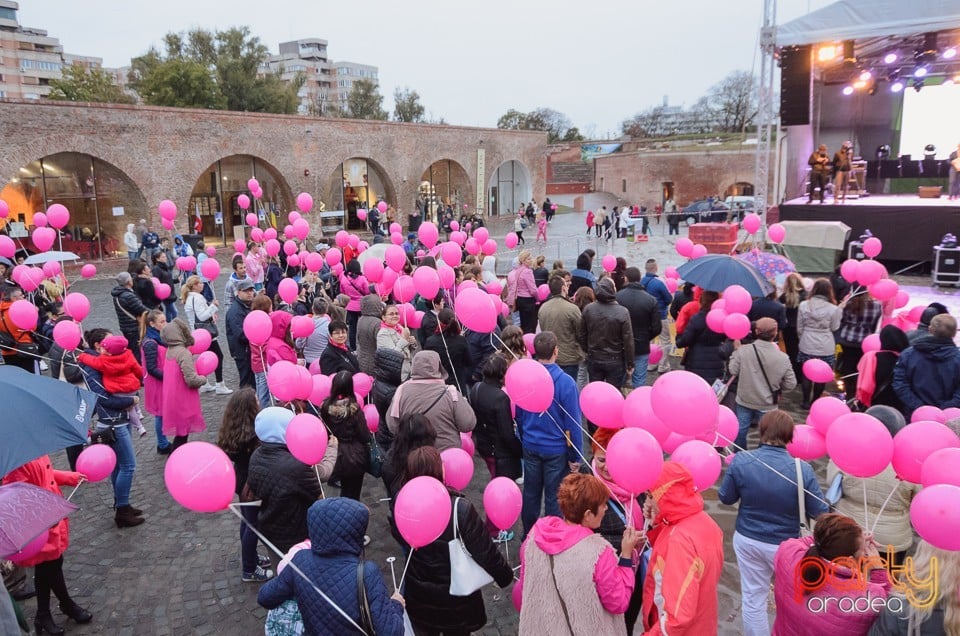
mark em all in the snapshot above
pixel 937 349
pixel 426 366
pixel 343 408
pixel 130 227
pixel 281 323
pixel 675 494
pixel 606 291
pixel 337 526
pixel 177 334
pixel 371 305
pixel 553 535
pixel 271 424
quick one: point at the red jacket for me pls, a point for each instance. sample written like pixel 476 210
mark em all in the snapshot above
pixel 688 310
pixel 6 324
pixel 680 590
pixel 40 472
pixel 121 373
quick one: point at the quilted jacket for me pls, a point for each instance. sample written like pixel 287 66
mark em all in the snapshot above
pixel 367 328
pixel 387 369
pixel 337 526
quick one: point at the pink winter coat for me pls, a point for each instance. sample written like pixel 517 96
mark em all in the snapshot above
pixel 277 348
pixel 819 612
pixel 181 409
pixel 355 288
pixel 153 387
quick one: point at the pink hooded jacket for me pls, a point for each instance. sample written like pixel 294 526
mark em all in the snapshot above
pixel 277 348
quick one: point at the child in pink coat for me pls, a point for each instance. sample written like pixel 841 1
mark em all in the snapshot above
pixel 182 413
pixel 542 228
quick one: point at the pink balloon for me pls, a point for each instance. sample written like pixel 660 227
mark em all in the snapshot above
pixel 304 202
pixel 634 459
pixel 458 237
pixel 869 272
pixel 935 515
pixel 476 311
pixel 426 281
pixel 849 269
pixel 382 206
pixel 481 234
pixel 76 305
pixel 529 384
pixel 210 269
pixel 451 254
pixel 467 284
pixel 372 416
pixel 200 477
pixel 40 219
pixel 58 216
pixel 66 333
pixel 901 299
pixel 737 300
pixel 292 216
pixel 4 209
pixel 167 209
pixel 404 289
pixel 776 233
pixel 602 403
pixel 685 403
pixel 239 246
pixel 698 251
pixel 466 443
pixel 362 214
pixel 257 327
pixel 656 354
pixel 951 413
pixel 472 246
pixel 293 260
pixel 701 459
pixel 609 263
pixel 751 223
pixel 716 319
pixel 320 386
pixel 7 247
pixel 457 468
pixel 940 467
pixel 736 326
pixel 24 314
pixel 301 326
pixel 872 247
pixel 928 413
pixel 272 247
pixel 389 279
pixel 244 202
pixel 162 291
pixel 362 384
pixel 511 240
pixel 489 247
pixel 915 443
pixel 502 502
pixel 685 247
pixel 824 412
pixel 30 550
pixel 167 224
pixel 307 438
pixel 253 184
pixel 290 248
pixel 258 193
pixel 428 234
pixel 884 289
pixel 88 271
pixel 395 228
pixel 422 511
pixel 543 292
pixel 871 343
pixel 396 258
pixel 283 381
pixel 396 238
pixel 206 363
pixel 257 235
pixel 270 233
pixel 251 218
pixel 43 238
pixel 201 342
pixel 301 229
pixel 860 445
pixel 808 444
pixel 672 285
pixel 727 427
pixel 342 238
pixel 313 262
pixel 288 290
pixel 818 371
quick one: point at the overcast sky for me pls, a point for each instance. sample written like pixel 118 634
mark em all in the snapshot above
pixel 598 62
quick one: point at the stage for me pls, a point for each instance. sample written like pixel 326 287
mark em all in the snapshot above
pixel 908 225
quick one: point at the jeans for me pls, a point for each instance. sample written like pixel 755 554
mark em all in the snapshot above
pixel 162 441
pixel 610 371
pixel 170 310
pixel 132 255
pixel 122 475
pixel 542 475
pixel 245 372
pixel 571 369
pixel 353 317
pixel 666 344
pixel 640 370
pixel 263 391
pixel 248 539
pixel 746 417
pixel 755 562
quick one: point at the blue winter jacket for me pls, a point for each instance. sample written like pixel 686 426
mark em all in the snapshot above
pixel 658 289
pixel 336 527
pixel 546 432
pixel 928 373
pixel 111 409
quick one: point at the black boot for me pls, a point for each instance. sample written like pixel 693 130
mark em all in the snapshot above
pixel 136 511
pixel 76 612
pixel 43 624
pixel 125 518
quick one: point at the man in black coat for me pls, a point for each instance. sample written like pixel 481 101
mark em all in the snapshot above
pixel 769 307
pixel 236 340
pixel 129 309
pixel 606 336
pixel 645 319
pixel 162 272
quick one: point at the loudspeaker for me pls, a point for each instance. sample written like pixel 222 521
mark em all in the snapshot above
pixel 795 68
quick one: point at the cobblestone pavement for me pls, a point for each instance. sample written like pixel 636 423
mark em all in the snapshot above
pixel 179 573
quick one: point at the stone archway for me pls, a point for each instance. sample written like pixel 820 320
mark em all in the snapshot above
pixel 102 200
pixel 739 189
pixel 509 187
pixel 445 182
pixel 356 183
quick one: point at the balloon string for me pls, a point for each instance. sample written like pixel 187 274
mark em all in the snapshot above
pixel 777 472
pixel 406 565
pixel 866 514
pixel 316 469
pixel 234 509
pixel 393 573
pixel 75 489
pixel 883 507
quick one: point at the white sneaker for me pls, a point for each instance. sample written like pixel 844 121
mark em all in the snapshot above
pixel 221 389
pixel 207 388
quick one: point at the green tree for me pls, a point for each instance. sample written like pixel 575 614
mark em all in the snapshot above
pixel 557 125
pixel 80 84
pixel 365 101
pixel 407 106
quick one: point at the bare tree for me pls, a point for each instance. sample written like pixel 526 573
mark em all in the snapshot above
pixel 731 102
pixel 647 123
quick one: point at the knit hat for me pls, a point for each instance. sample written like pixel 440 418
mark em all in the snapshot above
pixel 114 345
pixel 271 424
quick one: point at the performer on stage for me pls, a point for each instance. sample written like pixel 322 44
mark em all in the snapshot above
pixel 819 172
pixel 841 166
pixel 955 174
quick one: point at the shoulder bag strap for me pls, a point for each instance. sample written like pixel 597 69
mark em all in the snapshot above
pixel 801 500
pixel 434 403
pixel 773 391
pixel 456 528
pixel 366 620
pixel 563 605
pixel 121 307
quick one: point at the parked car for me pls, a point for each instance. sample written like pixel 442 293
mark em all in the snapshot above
pixel 703 212
pixel 741 204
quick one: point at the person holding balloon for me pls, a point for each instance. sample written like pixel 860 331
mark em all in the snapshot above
pixel 354 284
pixel 181 410
pixel 343 415
pixel 48 561
pixel 430 605
pixel 153 352
pixel 392 335
pixel 860 318
pixel 702 344
pixel 122 374
pixel 818 317
pixel 201 315
pixel 454 352
pixel 768 513
pixel 255 263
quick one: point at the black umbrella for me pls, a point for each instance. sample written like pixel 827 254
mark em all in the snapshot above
pixel 716 272
pixel 40 415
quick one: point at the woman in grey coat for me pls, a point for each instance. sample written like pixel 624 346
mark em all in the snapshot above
pixel 367 328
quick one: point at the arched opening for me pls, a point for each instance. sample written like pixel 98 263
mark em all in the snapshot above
pixel 213 211
pixel 739 189
pixel 443 184
pixel 356 184
pixel 509 188
pixel 102 200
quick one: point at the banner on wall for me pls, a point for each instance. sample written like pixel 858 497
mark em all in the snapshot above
pixel 589 151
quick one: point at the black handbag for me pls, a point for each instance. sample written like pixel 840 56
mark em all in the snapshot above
pixel 375 463
pixel 207 325
pixel 103 436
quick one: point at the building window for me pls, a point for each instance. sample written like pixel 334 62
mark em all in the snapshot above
pixel 624 185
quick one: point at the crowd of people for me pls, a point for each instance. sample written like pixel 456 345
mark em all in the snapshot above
pixel 594 556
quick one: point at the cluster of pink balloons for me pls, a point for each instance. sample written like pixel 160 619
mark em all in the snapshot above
pixel 728 315
pixel 688 249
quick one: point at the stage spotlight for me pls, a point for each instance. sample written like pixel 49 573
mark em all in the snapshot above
pixel 827 52
pixel 950 53
pixel 890 58
pixel 896 87
pixel 865 76
pixel 883 151
pixel 920 71
pixel 929 151
pixel 849 58
pixel 848 90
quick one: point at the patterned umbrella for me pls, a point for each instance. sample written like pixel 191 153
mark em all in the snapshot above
pixel 25 512
pixel 772 266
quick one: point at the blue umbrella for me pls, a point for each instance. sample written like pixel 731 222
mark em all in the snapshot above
pixel 40 416
pixel 716 272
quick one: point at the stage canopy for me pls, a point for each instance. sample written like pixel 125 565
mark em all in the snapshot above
pixel 857 19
